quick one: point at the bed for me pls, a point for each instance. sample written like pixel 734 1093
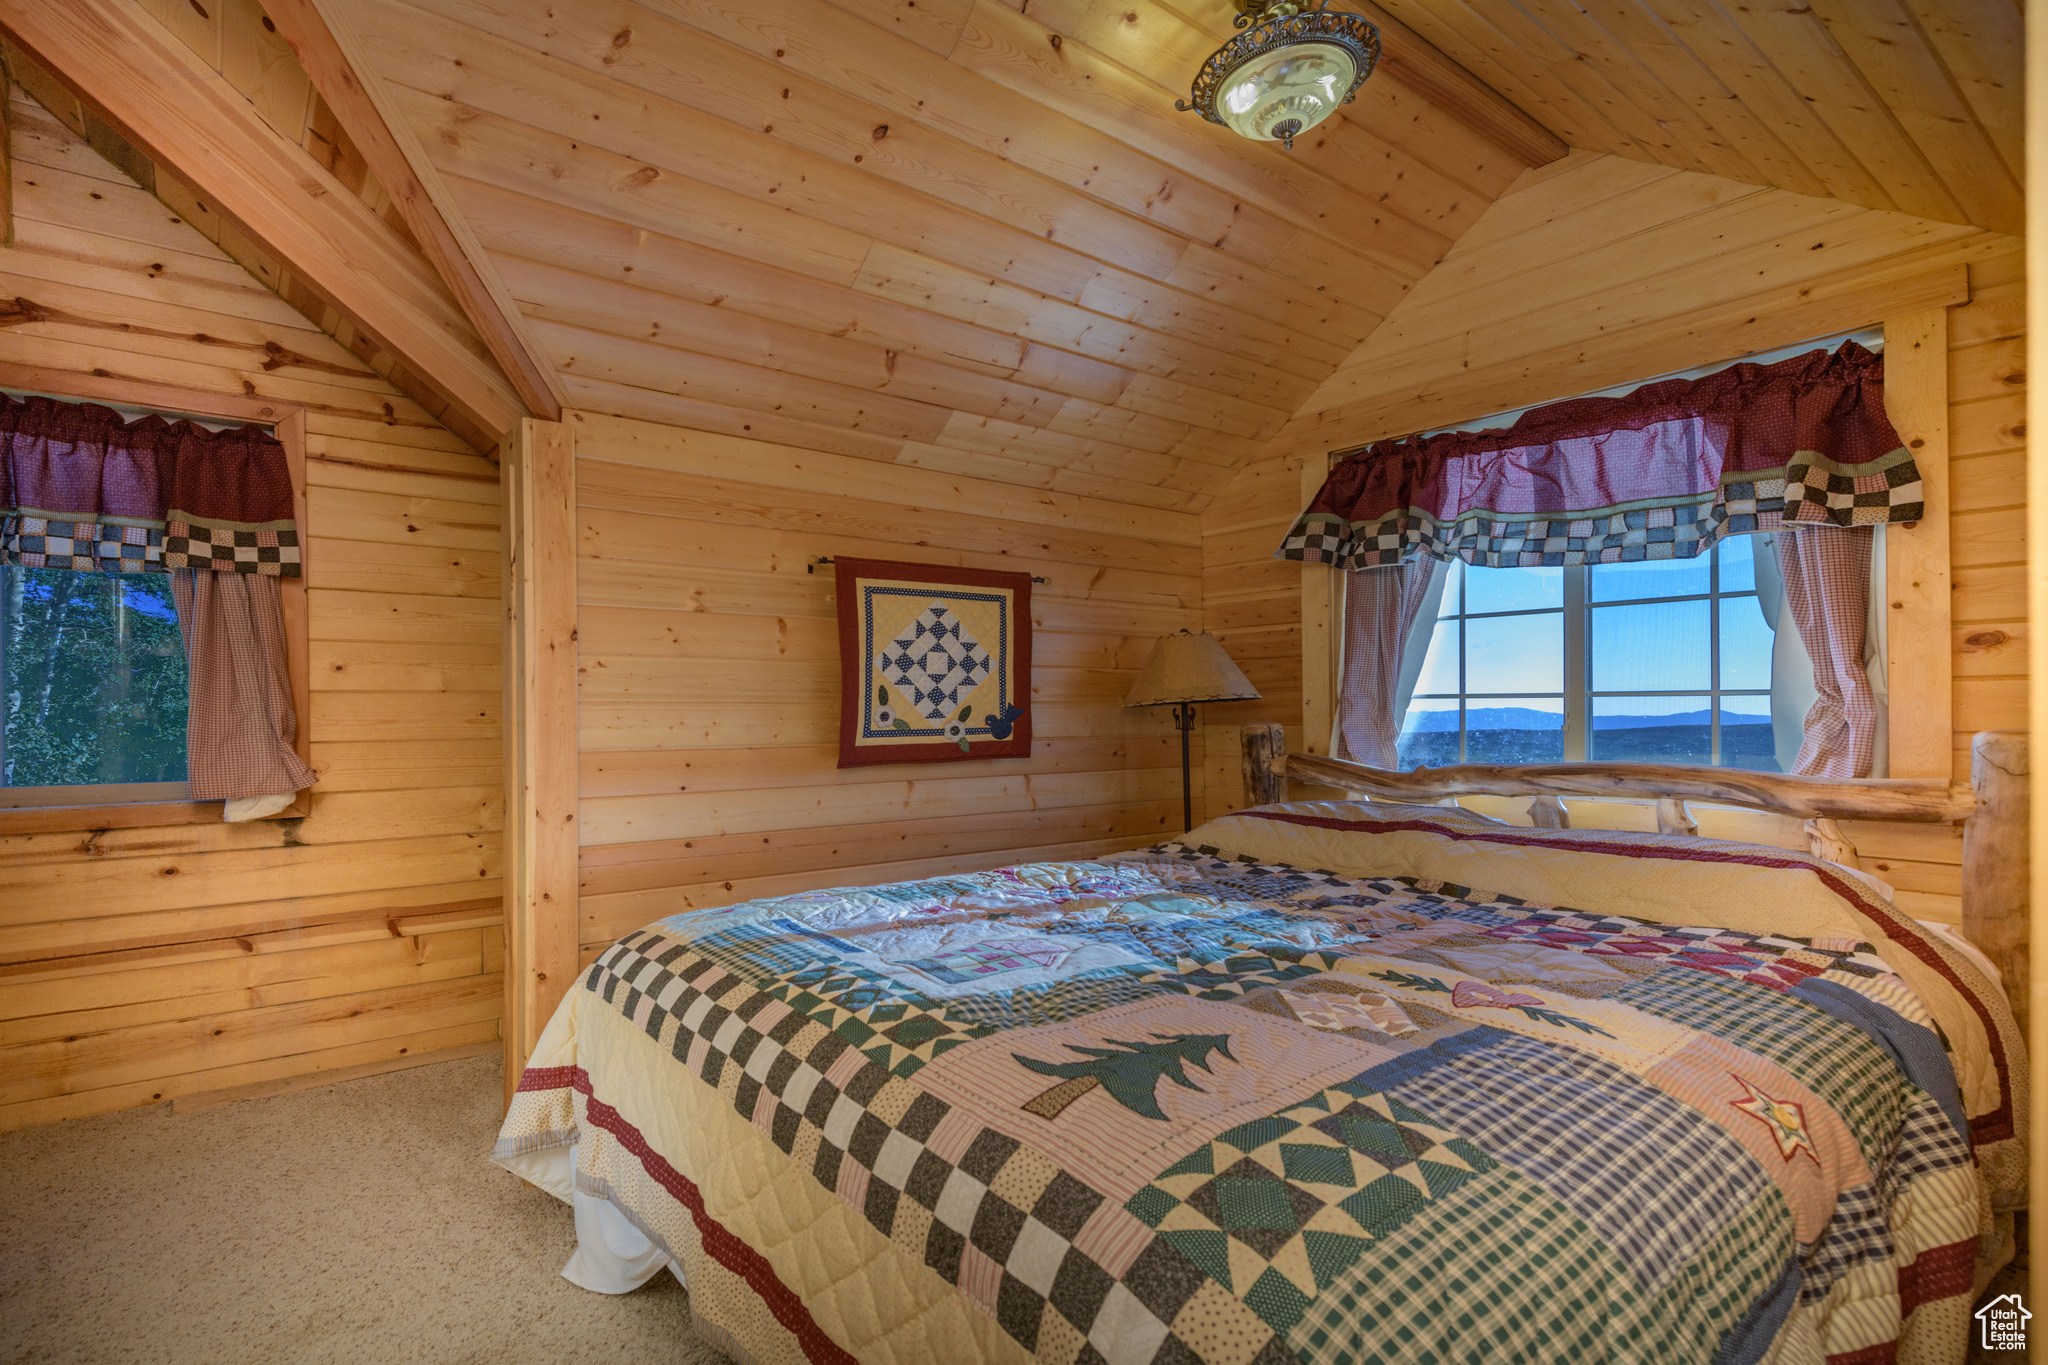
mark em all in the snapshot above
pixel 1323 1081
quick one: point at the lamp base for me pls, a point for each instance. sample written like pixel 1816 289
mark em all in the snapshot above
pixel 1184 718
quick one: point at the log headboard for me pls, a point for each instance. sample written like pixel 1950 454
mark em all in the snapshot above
pixel 1992 811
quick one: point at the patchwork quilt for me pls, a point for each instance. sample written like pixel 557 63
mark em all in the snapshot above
pixel 1326 1082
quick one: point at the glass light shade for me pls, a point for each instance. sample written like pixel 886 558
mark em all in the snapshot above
pixel 1301 84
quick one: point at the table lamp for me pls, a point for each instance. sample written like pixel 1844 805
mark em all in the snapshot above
pixel 1186 668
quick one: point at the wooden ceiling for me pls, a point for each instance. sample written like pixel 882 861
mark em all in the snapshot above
pixel 1604 270
pixel 1914 105
pixel 974 237
pixel 955 234
pixel 210 111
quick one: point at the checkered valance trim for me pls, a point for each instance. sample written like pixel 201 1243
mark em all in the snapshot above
pixel 1811 491
pixel 38 542
pixel 272 548
pixel 42 541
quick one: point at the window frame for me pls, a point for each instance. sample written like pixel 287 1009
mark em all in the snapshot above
pixel 1918 566
pixel 1576 608
pixel 122 805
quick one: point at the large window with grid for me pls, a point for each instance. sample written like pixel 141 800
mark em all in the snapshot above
pixel 1660 661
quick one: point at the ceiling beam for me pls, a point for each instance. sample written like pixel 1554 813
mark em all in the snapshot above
pixel 332 53
pixel 151 89
pixel 1411 61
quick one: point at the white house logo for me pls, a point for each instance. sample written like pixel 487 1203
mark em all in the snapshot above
pixel 2004 1323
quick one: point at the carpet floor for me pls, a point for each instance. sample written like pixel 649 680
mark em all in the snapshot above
pixel 357 1222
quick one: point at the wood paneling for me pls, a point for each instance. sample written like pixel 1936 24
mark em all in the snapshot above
pixel 1567 287
pixel 2032 305
pixel 133 233
pixel 176 107
pixel 1918 557
pixel 709 675
pixel 1912 105
pixel 540 731
pixel 143 965
pixel 330 54
pixel 979 243
pixel 1602 271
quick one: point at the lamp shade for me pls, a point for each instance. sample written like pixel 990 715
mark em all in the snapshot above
pixel 1186 667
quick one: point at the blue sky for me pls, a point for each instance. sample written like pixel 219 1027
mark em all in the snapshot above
pixel 1653 646
pixel 149 594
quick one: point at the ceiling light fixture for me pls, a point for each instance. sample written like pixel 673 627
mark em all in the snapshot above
pixel 1287 72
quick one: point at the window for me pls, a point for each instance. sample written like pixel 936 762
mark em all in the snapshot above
pixel 94 679
pixel 1664 661
pixel 92 683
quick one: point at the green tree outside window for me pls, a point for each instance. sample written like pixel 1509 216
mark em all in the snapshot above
pixel 92 679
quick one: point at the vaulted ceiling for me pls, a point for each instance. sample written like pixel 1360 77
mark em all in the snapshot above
pixel 1915 105
pixel 948 234
pixel 974 236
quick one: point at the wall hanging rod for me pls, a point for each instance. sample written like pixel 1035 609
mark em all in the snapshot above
pixel 812 567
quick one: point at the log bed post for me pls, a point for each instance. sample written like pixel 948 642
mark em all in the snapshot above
pixel 1995 859
pixel 1264 744
pixel 1674 818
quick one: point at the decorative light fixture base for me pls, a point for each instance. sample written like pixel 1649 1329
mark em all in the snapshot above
pixel 1273 25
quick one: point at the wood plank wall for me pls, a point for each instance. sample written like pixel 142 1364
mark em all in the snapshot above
pixel 710 676
pixel 1598 271
pixel 239 40
pixel 145 965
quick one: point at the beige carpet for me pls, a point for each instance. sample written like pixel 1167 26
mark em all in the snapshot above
pixel 358 1222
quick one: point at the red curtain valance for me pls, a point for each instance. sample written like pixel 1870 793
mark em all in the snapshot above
pixel 1659 473
pixel 81 487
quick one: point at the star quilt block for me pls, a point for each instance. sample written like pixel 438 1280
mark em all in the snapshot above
pixel 935 663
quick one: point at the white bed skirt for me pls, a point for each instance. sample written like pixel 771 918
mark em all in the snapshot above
pixel 613 1256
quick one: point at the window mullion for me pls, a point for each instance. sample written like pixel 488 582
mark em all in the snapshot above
pixel 1714 656
pixel 1463 683
pixel 1577 638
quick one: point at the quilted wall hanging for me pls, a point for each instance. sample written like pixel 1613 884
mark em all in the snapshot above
pixel 934 663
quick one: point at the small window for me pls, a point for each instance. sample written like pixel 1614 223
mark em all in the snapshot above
pixel 95 683
pixel 92 688
pixel 1666 661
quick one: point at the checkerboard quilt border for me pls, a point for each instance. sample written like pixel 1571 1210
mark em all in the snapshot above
pixel 824 1068
pixel 926 1176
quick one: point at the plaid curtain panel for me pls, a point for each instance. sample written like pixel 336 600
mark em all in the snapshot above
pixel 1827 585
pixel 1379 611
pixel 240 728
